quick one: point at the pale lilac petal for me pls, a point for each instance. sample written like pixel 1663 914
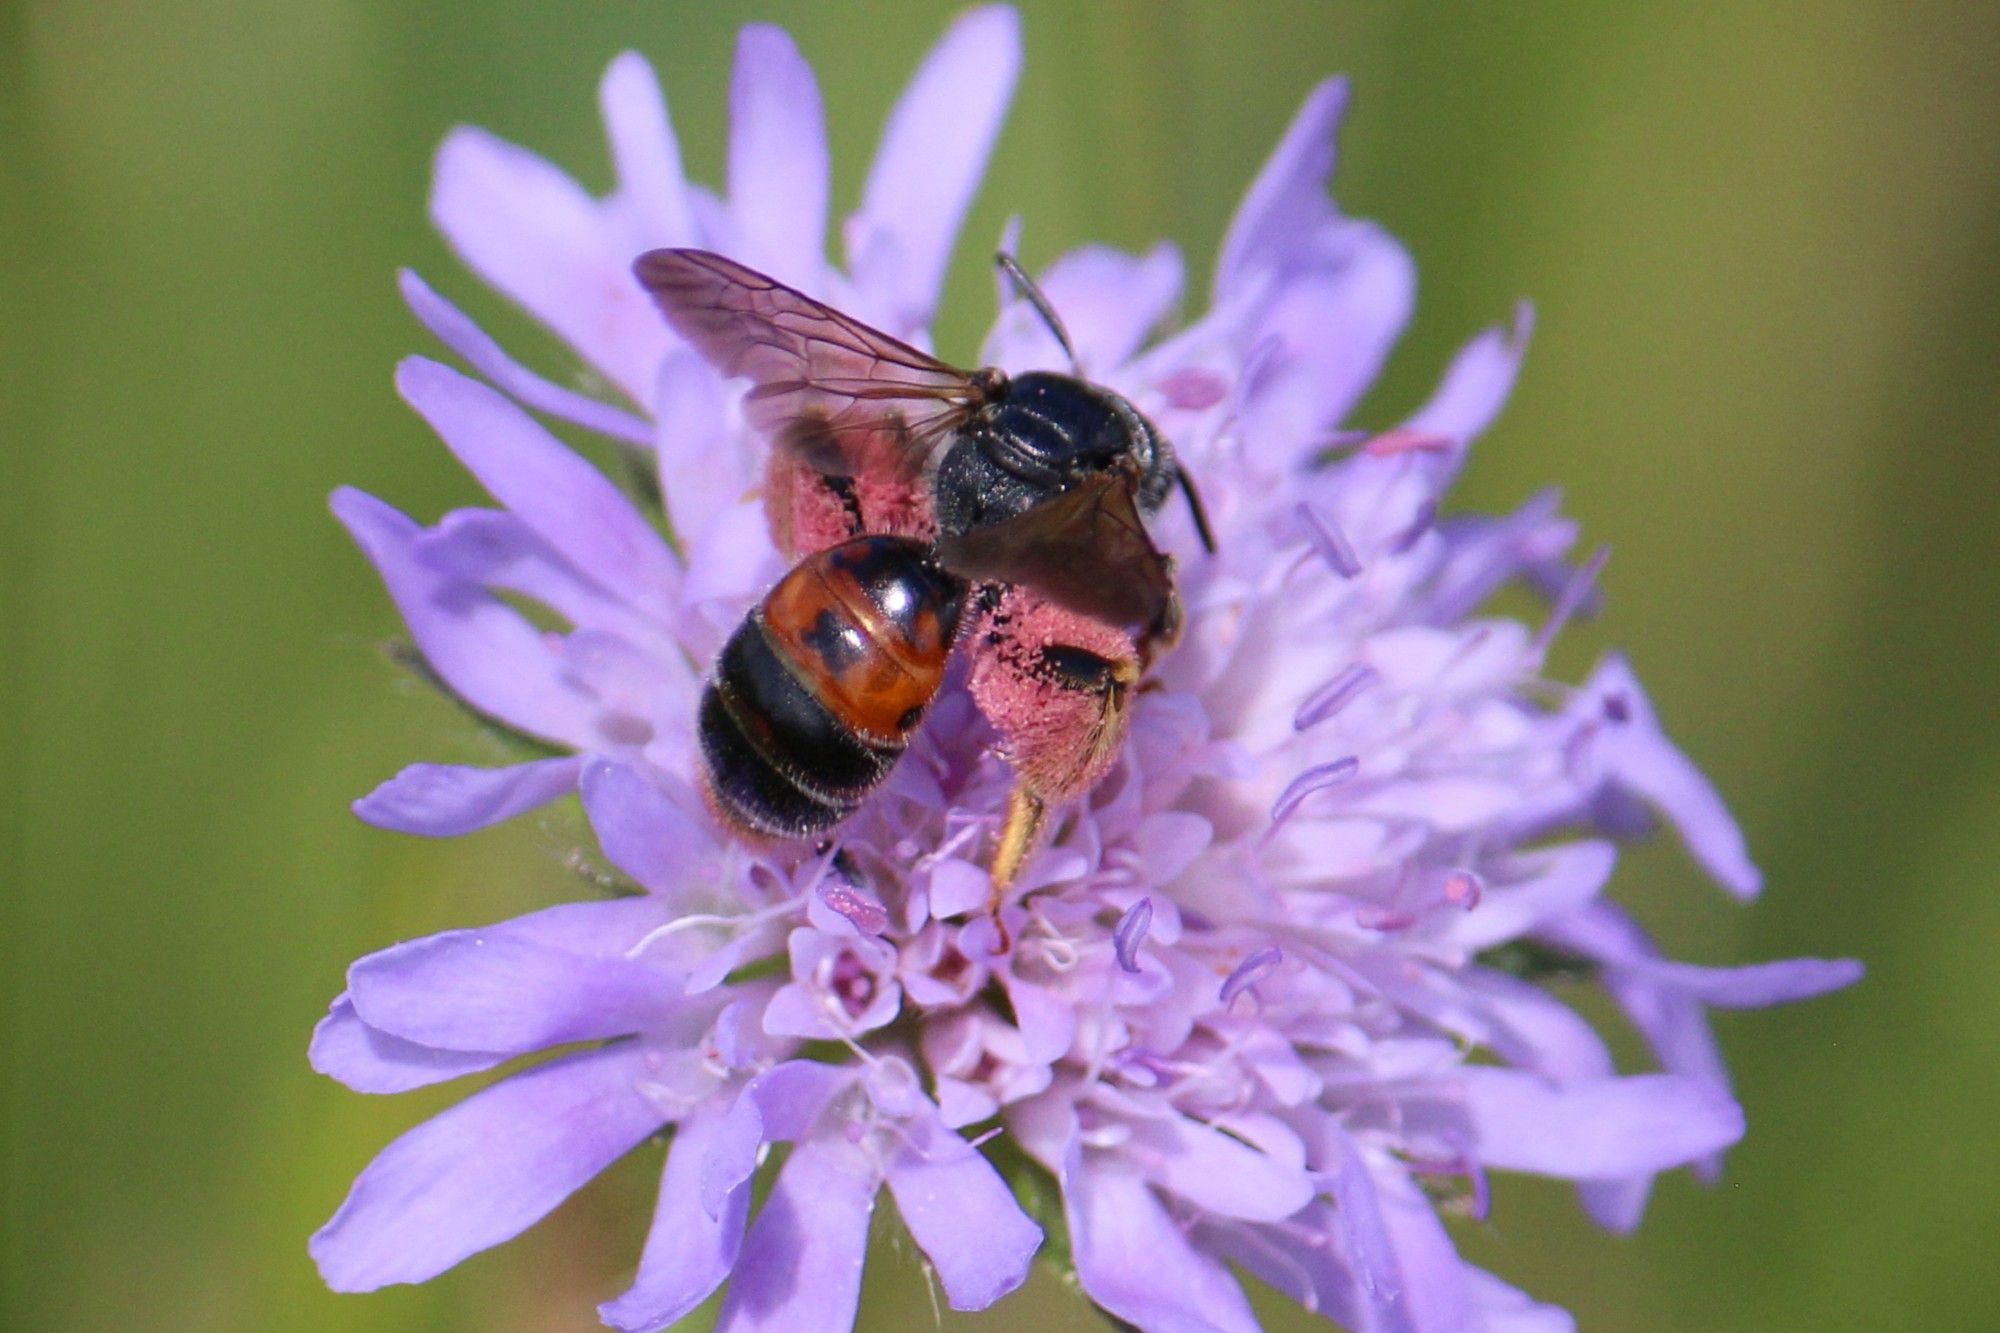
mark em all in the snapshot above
pixel 486 1169
pixel 563 499
pixel 1595 1128
pixel 1617 1205
pixel 1674 1024
pixel 1507 1309
pixel 645 153
pixel 1756 986
pixel 658 841
pixel 1432 1294
pixel 1135 1262
pixel 1294 1259
pixel 1568 878
pixel 958 887
pixel 800 1268
pixel 554 976
pixel 1388 495
pixel 705 469
pixel 534 234
pixel 790 1097
pixel 1288 201
pixel 777 159
pixel 1046 1019
pixel 1534 1030
pixel 1477 384
pixel 730 565
pixel 932 158
pixel 1638 756
pixel 455 329
pixel 1327 334
pixel 1371 1254
pixel 482 648
pixel 688 1251
pixel 367 1059
pixel 1220 1173
pixel 445 800
pixel 495 550
pixel 779 1105
pixel 960 1212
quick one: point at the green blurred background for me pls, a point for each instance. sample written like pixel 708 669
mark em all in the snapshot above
pixel 1762 240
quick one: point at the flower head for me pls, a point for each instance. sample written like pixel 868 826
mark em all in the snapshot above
pixel 1273 986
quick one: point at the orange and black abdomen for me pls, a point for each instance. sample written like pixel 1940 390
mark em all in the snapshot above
pixel 818 690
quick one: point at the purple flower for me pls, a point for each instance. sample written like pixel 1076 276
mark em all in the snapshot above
pixel 1231 1012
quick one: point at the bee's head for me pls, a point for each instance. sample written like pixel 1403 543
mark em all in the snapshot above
pixel 1080 428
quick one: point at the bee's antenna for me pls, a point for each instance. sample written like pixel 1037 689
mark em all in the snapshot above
pixel 1194 508
pixel 1026 286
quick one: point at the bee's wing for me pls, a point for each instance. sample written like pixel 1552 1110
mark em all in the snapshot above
pixel 846 399
pixel 1085 549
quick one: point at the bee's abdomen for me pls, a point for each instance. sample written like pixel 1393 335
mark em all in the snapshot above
pixel 818 689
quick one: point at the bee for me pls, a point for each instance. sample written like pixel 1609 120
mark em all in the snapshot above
pixel 928 510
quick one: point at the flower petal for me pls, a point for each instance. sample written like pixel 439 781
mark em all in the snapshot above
pixel 1288 200
pixel 1756 986
pixel 706 468
pixel 1327 333
pixel 567 502
pixel 1222 1174
pixel 1294 1260
pixel 1637 755
pixel 554 976
pixel 1136 1262
pixel 652 838
pixel 1432 1292
pixel 455 329
pixel 777 159
pixel 1507 1309
pixel 494 549
pixel 1569 877
pixel 933 156
pixel 1476 385
pixel 367 1059
pixel 644 152
pixel 1594 1128
pixel 1363 1232
pixel 960 1212
pixel 445 800
pixel 800 1269
pixel 486 1169
pixel 688 1251
pixel 532 232
pixel 482 648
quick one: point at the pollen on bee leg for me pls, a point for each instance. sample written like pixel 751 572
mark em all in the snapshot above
pixel 1053 683
pixel 806 511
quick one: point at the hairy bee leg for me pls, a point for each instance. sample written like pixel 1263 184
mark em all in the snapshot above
pixel 1057 686
pixel 1020 834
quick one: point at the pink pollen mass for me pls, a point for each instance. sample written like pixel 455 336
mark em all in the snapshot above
pixel 1045 721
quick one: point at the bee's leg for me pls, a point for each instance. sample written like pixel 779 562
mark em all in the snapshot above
pixel 810 511
pixel 1020 834
pixel 807 511
pixel 1056 685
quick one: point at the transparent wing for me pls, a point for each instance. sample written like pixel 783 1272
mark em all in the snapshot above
pixel 848 400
